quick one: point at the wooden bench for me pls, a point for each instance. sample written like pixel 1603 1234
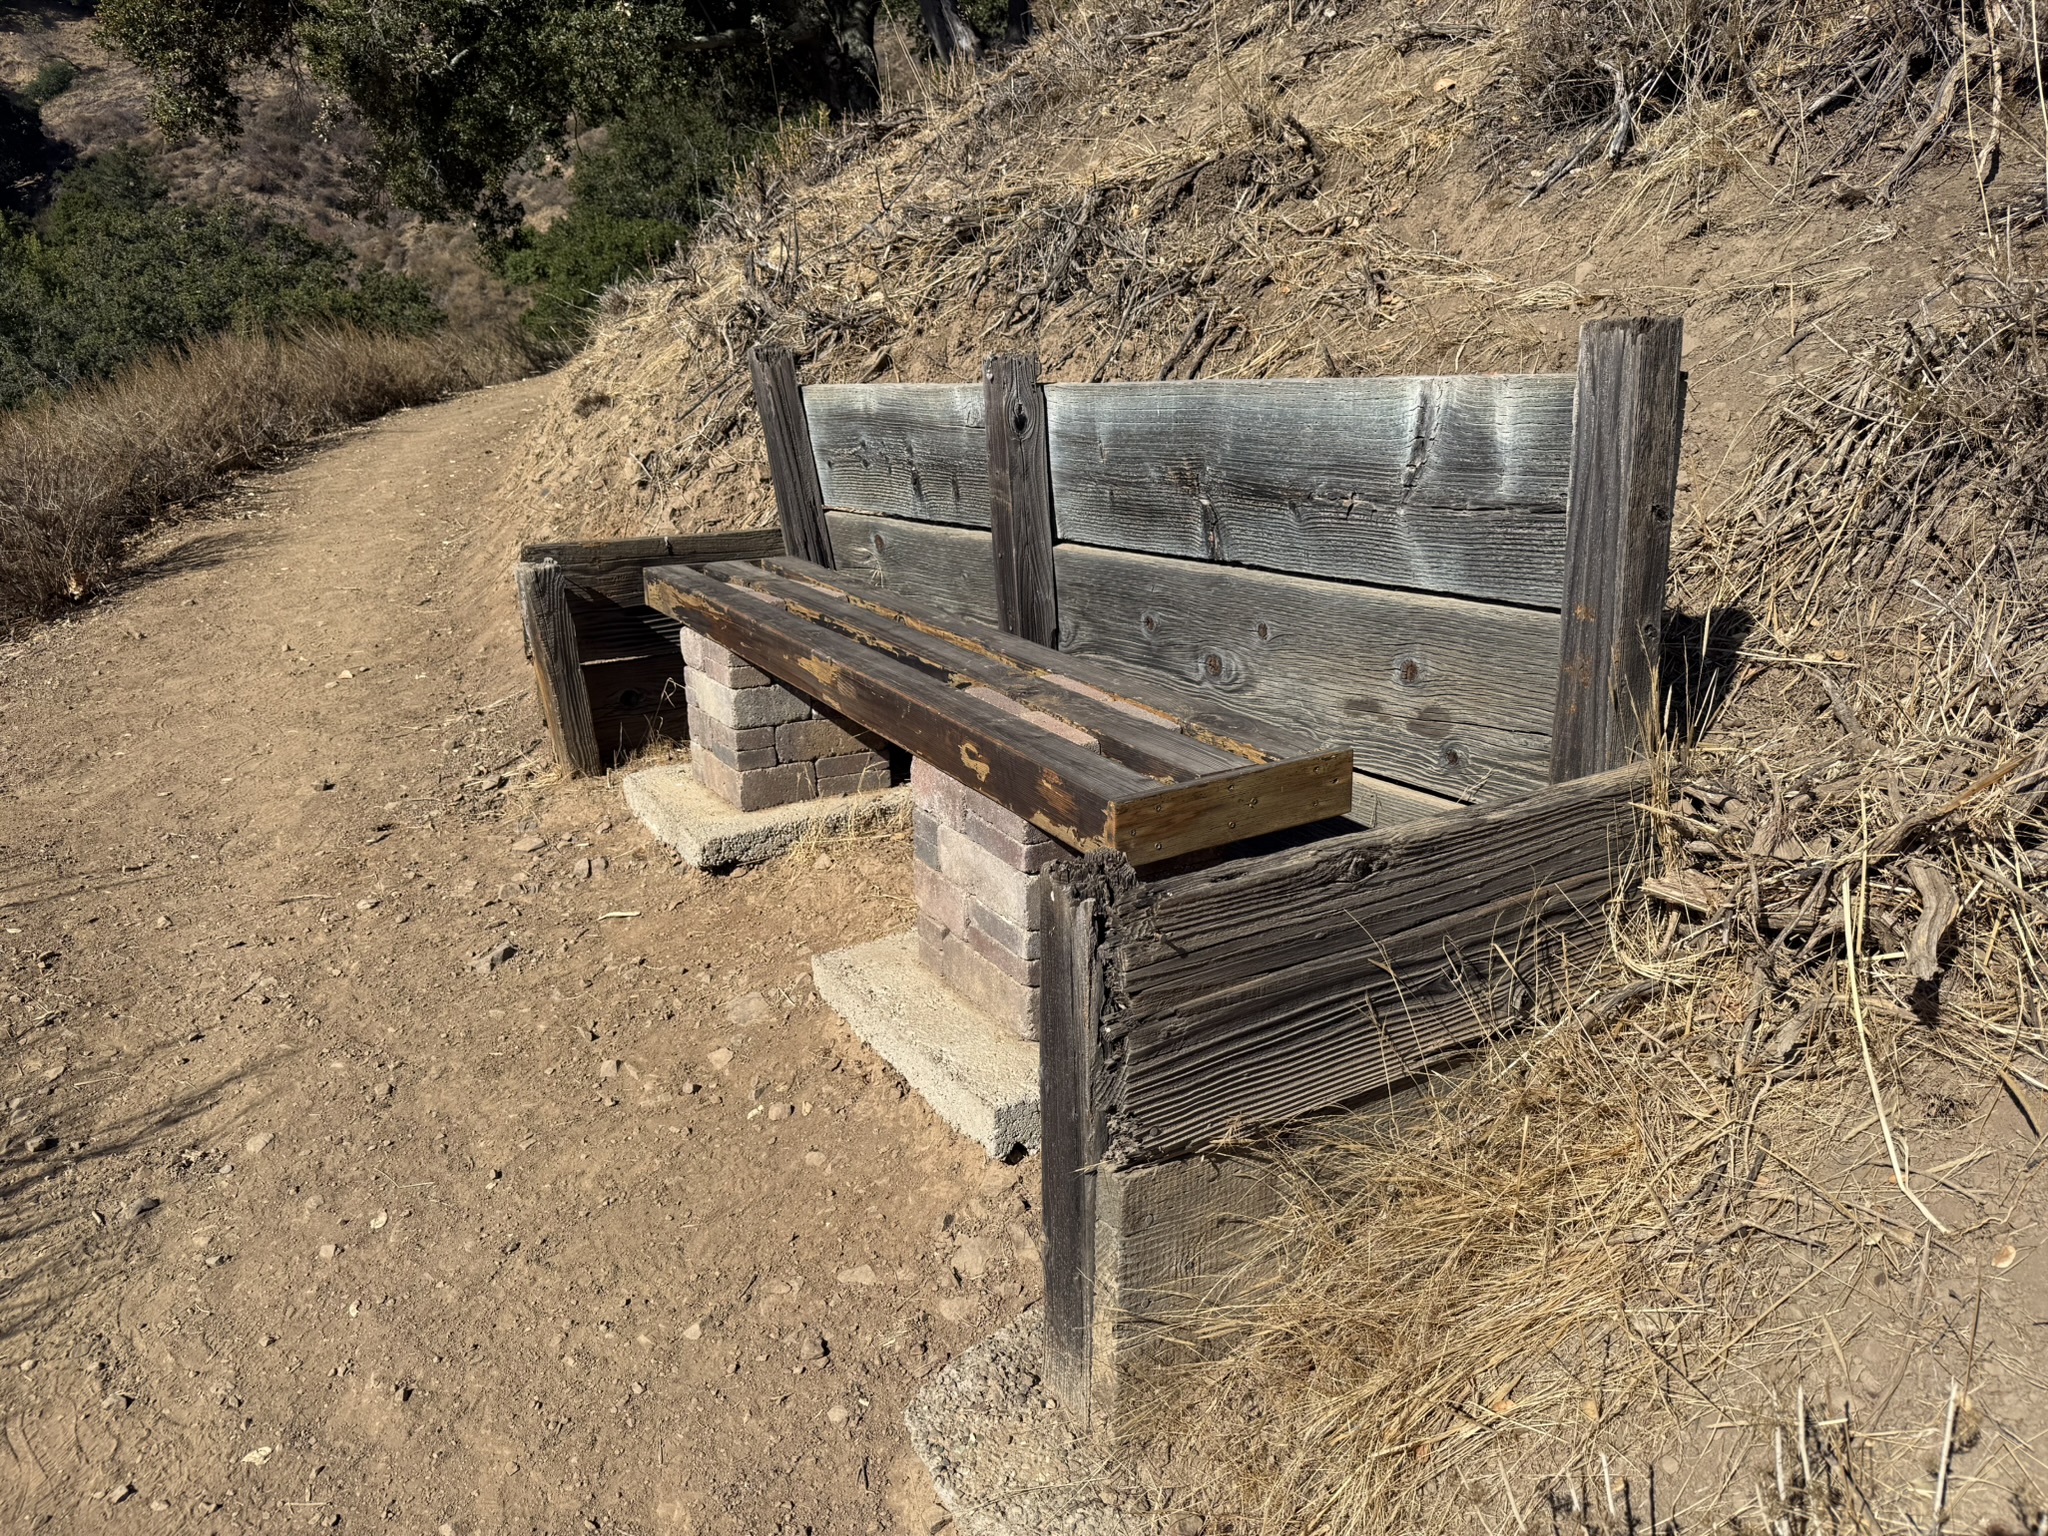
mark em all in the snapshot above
pixel 1233 594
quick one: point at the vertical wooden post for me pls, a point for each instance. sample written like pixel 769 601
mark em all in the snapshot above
pixel 1625 437
pixel 799 503
pixel 557 665
pixel 1020 499
pixel 1070 1143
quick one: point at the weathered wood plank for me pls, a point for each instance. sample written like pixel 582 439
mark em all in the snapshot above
pixel 1070 1141
pixel 1229 807
pixel 1143 742
pixel 952 569
pixel 611 568
pixel 1263 989
pixel 1383 803
pixel 1020 499
pixel 1624 485
pixel 1454 485
pixel 557 665
pixel 915 451
pixel 1058 786
pixel 1131 687
pixel 611 631
pixel 799 504
pixel 1446 695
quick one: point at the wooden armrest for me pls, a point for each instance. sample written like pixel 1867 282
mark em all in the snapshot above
pixel 1003 727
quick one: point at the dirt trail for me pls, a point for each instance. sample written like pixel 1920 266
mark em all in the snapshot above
pixel 311 1221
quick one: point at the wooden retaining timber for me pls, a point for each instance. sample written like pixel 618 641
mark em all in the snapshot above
pixel 606 666
pixel 1163 622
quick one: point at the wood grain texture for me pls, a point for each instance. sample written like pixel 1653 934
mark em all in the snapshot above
pixel 1141 741
pixel 951 569
pixel 557 665
pixel 611 568
pixel 1262 989
pixel 799 504
pixel 1445 695
pixel 1631 414
pixel 1228 807
pixel 612 631
pixel 1133 687
pixel 1382 803
pixel 915 451
pixel 1454 484
pixel 1060 787
pixel 635 700
pixel 1070 1141
pixel 1020 499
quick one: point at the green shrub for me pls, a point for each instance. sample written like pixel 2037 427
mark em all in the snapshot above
pixel 114 270
pixel 636 196
pixel 51 81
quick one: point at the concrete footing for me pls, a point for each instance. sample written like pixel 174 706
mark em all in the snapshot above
pixel 710 834
pixel 980 1078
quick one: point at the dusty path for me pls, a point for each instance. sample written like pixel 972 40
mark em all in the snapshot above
pixel 308 1221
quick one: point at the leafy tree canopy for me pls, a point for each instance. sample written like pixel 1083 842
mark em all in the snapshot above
pixel 459 93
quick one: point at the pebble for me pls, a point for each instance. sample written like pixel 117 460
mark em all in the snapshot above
pixel 957 1309
pixel 694 1331
pixel 531 843
pixel 121 1491
pixel 608 1069
pixel 860 1274
pixel 814 1159
pixel 379 1221
pixel 822 861
pixel 368 904
pixel 581 869
pixel 139 1207
pixel 812 1347
pixel 323 784
pixel 836 1414
pixel 781 1111
pixel 1188 1523
pixel 750 1010
pixel 721 1058
pixel 492 958
pixel 329 1250
pixel 256 1143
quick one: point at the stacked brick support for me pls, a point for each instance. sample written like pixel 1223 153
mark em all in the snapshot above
pixel 980 882
pixel 755 744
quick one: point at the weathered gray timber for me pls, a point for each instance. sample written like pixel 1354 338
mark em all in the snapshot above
pixel 1256 993
pixel 1020 499
pixel 799 504
pixel 1624 484
pixel 901 450
pixel 950 568
pixel 557 664
pixel 610 568
pixel 1450 696
pixel 625 657
pixel 1453 485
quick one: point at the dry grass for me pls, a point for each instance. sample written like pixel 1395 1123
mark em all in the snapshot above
pixel 80 475
pixel 1715 1207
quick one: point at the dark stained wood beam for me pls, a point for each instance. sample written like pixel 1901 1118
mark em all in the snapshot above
pixel 1020 499
pixel 557 665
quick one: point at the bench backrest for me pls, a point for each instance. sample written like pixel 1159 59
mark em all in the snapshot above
pixel 1461 578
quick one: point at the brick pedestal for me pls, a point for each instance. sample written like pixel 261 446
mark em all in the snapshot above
pixel 980 896
pixel 755 744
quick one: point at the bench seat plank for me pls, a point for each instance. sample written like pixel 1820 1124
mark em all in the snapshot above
pixel 1080 797
pixel 1208 720
pixel 1446 695
pixel 1145 742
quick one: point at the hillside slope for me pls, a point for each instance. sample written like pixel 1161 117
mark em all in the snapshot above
pixel 1750 1225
